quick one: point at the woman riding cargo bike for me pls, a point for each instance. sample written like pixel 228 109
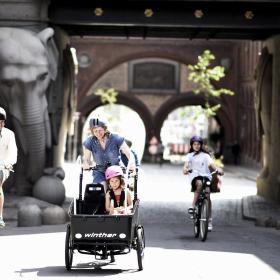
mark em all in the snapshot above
pixel 95 229
pixel 104 148
pixel 197 166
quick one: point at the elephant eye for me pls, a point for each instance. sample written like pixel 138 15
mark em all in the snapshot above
pixel 43 76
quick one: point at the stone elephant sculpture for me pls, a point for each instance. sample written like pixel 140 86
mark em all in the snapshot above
pixel 29 69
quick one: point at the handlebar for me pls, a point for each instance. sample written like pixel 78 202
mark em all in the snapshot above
pixel 103 168
pixel 212 173
pixel 90 168
pixel 97 167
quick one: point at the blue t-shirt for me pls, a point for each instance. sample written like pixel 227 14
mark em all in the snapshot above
pixel 103 157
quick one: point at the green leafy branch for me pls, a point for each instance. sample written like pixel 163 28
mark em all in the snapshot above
pixel 202 76
pixel 107 95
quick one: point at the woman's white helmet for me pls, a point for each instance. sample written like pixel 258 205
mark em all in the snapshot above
pixel 3 114
pixel 97 122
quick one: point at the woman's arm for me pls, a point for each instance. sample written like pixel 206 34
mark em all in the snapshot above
pixel 126 150
pixel 87 159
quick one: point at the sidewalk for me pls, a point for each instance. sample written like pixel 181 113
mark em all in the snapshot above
pixel 243 171
pixel 256 208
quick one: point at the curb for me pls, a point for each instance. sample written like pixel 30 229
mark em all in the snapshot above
pixel 242 172
pixel 260 211
pixel 245 208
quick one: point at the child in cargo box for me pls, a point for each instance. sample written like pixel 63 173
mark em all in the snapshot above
pixel 118 199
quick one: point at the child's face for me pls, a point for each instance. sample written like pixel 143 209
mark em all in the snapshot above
pixel 196 146
pixel 115 183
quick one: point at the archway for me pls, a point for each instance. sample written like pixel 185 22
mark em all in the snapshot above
pixel 223 117
pixel 184 122
pixel 122 120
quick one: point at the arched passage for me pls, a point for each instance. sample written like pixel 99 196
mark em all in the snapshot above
pixel 223 118
pixel 92 102
pixel 152 119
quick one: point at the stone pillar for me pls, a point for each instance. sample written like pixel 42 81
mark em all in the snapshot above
pixel 267 183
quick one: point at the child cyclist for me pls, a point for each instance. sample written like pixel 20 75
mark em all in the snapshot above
pixel 200 162
pixel 118 199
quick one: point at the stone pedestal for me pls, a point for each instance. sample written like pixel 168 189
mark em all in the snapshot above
pixel 54 215
pixel 50 189
pixel 29 216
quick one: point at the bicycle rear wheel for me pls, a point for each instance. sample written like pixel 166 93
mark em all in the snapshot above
pixel 204 219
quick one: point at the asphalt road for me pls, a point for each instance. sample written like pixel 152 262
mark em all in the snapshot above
pixel 236 249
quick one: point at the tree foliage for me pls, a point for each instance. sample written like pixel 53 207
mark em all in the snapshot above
pixel 107 96
pixel 203 77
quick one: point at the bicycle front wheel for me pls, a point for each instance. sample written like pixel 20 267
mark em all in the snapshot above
pixel 196 223
pixel 204 219
pixel 68 249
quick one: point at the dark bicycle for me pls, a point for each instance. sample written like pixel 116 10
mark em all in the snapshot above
pixel 202 211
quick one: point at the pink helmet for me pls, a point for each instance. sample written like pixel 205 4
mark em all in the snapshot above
pixel 113 171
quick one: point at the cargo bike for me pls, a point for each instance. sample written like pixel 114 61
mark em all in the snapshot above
pixel 91 231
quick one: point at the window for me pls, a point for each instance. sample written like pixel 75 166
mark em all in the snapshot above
pixel 153 75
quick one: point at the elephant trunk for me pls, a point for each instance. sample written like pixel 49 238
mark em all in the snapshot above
pixel 31 122
pixel 36 146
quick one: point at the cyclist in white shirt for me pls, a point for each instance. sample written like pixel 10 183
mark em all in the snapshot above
pixel 8 157
pixel 199 161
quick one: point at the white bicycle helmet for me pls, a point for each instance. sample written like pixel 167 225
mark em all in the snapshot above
pixel 3 114
pixel 96 122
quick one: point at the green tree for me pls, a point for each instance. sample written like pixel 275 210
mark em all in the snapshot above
pixel 203 76
pixel 107 96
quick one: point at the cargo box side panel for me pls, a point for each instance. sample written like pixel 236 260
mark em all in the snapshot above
pixel 101 228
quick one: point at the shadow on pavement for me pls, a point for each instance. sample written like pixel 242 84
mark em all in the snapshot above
pixel 61 271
